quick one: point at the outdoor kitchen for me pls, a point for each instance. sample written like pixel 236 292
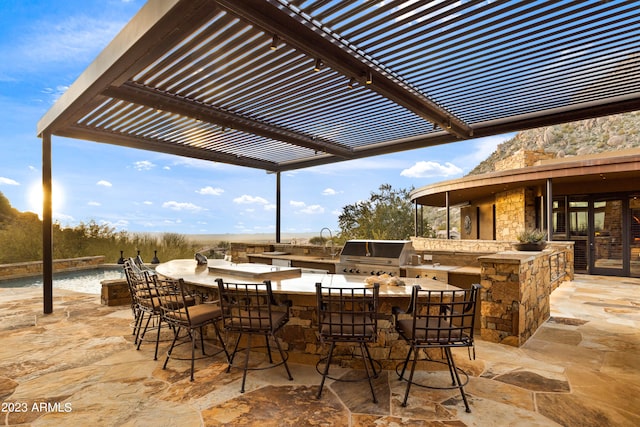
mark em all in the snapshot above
pixel 516 285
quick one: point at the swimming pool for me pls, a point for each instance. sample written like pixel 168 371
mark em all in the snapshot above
pixel 87 281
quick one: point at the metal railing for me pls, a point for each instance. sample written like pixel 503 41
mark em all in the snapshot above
pixel 557 266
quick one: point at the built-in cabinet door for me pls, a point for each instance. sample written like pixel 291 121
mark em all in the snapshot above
pixel 606 240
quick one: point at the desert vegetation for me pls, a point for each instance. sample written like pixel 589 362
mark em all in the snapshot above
pixel 21 240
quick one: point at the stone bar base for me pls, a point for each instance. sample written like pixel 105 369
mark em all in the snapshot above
pixel 516 289
pixel 115 292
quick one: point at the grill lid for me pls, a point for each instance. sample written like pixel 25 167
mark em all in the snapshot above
pixel 385 252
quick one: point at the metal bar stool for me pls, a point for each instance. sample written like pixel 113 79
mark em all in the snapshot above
pixel 438 320
pixel 348 315
pixel 250 309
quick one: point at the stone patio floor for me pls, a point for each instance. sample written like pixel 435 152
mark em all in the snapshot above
pixel 78 367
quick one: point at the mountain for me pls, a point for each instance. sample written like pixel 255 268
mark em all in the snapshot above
pixel 591 136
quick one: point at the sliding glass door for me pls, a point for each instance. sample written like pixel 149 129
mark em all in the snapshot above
pixel 634 236
pixel 606 220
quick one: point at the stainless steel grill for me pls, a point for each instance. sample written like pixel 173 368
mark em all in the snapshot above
pixel 375 257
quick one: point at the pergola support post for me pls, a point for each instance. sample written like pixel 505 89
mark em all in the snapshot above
pixel 549 210
pixel 47 225
pixel 415 218
pixel 446 195
pixel 278 206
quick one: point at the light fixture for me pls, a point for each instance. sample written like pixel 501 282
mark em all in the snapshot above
pixel 274 42
pixel 318 65
pixel 352 83
pixel 369 78
pixel 448 122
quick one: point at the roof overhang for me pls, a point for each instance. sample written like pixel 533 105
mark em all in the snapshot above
pixel 570 176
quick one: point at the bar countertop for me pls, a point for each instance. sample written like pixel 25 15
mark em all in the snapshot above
pixel 191 272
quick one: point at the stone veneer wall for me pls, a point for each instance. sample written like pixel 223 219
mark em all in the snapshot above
pixel 510 214
pixel 34 268
pixel 239 251
pixel 522 159
pixel 515 291
pixel 426 245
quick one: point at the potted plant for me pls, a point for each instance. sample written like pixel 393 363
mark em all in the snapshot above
pixel 531 240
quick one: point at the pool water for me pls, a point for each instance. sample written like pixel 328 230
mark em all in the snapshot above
pixel 87 281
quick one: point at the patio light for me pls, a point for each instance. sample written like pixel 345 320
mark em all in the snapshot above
pixel 274 42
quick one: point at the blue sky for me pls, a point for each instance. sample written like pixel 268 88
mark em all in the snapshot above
pixel 45 45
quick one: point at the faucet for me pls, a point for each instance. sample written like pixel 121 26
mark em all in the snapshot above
pixel 333 254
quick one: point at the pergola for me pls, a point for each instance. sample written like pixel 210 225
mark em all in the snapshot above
pixel 287 84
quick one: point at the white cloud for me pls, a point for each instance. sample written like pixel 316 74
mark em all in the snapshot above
pixel 74 40
pixel 270 207
pixel 119 225
pixel 8 181
pixel 147 202
pixel 308 210
pixel 94 203
pixel 430 169
pixel 329 192
pixel 143 165
pixel 55 92
pixel 182 206
pixel 313 210
pixel 191 163
pixel 63 218
pixel 246 199
pixel 351 166
pixel 210 191
pixel 104 183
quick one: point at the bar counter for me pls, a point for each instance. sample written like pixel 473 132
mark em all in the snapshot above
pixel 194 274
pixel 299 336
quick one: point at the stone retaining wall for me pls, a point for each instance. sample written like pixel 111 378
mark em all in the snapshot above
pixel 34 268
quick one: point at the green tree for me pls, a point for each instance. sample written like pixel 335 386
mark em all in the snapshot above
pixel 21 239
pixel 387 214
pixel 7 212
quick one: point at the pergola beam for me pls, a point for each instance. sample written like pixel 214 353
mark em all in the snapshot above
pixel 153 98
pixel 141 143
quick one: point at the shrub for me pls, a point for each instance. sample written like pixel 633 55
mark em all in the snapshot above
pixel 532 235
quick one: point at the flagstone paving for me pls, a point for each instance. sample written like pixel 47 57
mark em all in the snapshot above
pixel 78 366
